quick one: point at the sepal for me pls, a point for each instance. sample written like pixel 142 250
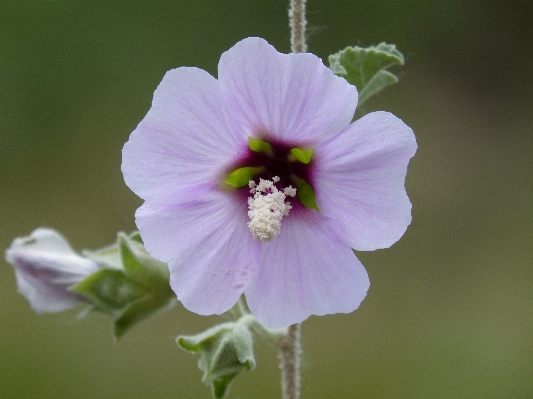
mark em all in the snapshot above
pixel 225 351
pixel 132 285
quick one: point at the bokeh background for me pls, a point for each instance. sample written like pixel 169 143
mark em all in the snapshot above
pixel 450 309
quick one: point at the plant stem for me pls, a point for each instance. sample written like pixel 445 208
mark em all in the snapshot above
pixel 289 346
pixel 273 336
pixel 297 22
pixel 290 351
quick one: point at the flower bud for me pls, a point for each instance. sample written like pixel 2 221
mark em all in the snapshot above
pixel 46 267
pixel 226 350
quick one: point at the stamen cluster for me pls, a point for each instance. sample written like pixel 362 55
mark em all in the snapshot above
pixel 267 208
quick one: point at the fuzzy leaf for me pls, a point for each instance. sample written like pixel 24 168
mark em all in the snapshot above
pixel 193 343
pixel 225 351
pixel 109 290
pixel 365 68
pixel 132 286
pixel 136 237
pixel 138 265
pixel 220 387
pixel 141 309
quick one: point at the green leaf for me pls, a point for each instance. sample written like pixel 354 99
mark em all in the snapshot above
pixel 242 176
pixel 242 339
pixel 132 266
pixel 109 256
pixel 136 236
pixel 365 67
pixel 133 287
pixel 109 290
pixel 221 387
pixel 138 265
pixel 380 80
pixel 304 156
pixel 193 343
pixel 141 309
pixel 258 145
pixel 305 193
pixel 225 351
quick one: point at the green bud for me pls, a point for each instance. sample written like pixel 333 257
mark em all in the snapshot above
pixel 225 351
pixel 132 285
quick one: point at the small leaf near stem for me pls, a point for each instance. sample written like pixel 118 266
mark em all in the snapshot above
pixel 225 351
pixel 287 340
pixel 365 68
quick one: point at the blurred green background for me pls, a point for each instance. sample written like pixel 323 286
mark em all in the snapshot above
pixel 449 313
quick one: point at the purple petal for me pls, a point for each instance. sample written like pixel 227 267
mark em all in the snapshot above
pixel 211 254
pixel 43 239
pixel 308 269
pixel 360 177
pixel 292 97
pixel 44 297
pixel 45 267
pixel 185 139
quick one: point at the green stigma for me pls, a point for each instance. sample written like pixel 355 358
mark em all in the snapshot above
pixel 304 156
pixel 242 176
pixel 305 193
pixel 258 145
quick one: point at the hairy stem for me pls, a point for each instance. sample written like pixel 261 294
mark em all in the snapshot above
pixel 289 346
pixel 297 22
pixel 290 351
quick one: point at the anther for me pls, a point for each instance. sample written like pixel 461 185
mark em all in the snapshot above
pixel 267 208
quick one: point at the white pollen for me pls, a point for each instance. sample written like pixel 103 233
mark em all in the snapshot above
pixel 290 191
pixel 252 186
pixel 267 208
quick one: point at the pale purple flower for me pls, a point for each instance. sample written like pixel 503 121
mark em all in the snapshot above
pixel 197 132
pixel 46 267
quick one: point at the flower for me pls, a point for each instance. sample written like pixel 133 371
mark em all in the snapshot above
pixel 217 163
pixel 46 267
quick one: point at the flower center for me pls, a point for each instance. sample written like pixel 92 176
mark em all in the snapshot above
pixel 267 208
pixel 271 171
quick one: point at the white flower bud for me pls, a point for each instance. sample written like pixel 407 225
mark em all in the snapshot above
pixel 46 267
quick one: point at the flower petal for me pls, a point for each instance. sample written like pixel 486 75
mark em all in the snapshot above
pixel 291 97
pixel 308 269
pixel 360 177
pixel 43 239
pixel 44 297
pixel 45 267
pixel 185 138
pixel 211 254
